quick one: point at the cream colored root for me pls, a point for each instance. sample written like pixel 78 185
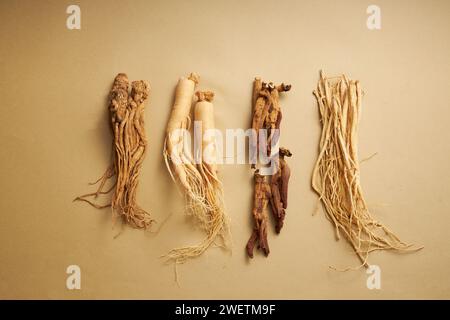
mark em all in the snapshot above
pixel 216 228
pixel 211 213
pixel 179 119
pixel 182 254
pixel 183 171
pixel 336 175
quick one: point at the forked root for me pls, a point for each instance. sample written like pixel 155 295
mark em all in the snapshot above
pixel 129 147
pixel 200 183
pixel 271 189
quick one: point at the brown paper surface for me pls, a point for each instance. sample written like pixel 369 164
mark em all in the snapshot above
pixel 55 138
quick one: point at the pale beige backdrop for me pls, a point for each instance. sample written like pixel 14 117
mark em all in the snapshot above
pixel 54 138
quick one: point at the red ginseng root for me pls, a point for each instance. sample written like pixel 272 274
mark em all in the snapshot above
pixel 279 189
pixel 261 198
pixel 266 111
pixel 267 116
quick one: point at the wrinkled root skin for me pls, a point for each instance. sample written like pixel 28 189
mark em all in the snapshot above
pixel 276 203
pixel 261 199
pixel 267 115
pixel 266 110
pixel 279 190
pixel 129 148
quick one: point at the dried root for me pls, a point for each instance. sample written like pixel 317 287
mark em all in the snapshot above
pixel 336 176
pixel 267 116
pixel 129 147
pixel 279 189
pixel 261 197
pixel 266 110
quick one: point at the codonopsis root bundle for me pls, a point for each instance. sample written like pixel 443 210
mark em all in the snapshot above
pixel 129 147
pixel 271 188
pixel 336 175
pixel 199 181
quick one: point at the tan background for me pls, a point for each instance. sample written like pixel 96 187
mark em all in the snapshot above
pixel 54 138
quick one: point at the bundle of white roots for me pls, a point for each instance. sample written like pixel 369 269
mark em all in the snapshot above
pixel 198 182
pixel 336 175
